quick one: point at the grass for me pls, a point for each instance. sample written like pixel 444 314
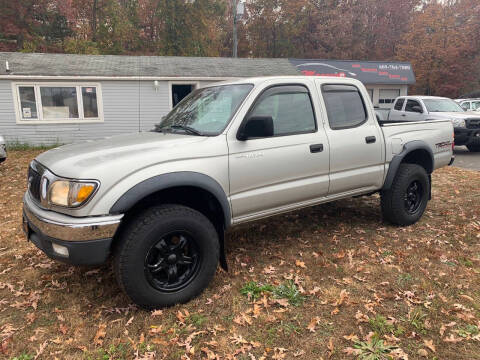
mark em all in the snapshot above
pixel 468 331
pixel 288 290
pixel 375 349
pixel 23 357
pixel 19 146
pixel 363 289
pixel 416 318
pixel 380 325
pixel 253 290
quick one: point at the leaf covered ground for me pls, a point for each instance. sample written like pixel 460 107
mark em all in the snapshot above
pixel 329 282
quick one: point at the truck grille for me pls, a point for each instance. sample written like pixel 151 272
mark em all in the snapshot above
pixel 473 124
pixel 34 179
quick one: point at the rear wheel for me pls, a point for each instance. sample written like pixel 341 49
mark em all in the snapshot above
pixel 166 256
pixel 405 202
pixel 474 147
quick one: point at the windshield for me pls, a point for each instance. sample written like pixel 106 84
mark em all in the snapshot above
pixel 442 105
pixel 205 111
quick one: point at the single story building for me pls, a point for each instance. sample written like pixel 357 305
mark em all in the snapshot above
pixel 62 98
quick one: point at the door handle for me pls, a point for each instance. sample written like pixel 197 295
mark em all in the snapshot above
pixel 316 148
pixel 370 139
pixel 404 114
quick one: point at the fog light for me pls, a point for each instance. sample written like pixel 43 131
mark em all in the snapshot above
pixel 60 250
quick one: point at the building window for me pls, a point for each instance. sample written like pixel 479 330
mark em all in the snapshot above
pixel 388 96
pixel 179 90
pixel 53 103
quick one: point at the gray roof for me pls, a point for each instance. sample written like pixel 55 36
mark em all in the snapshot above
pixel 71 65
pixel 31 64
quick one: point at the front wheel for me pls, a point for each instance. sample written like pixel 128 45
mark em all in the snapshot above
pixel 166 256
pixel 405 202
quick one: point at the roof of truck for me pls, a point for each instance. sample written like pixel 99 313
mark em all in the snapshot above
pixel 422 97
pixel 288 78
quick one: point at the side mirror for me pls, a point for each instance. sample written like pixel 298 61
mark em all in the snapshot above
pixel 417 109
pixel 256 127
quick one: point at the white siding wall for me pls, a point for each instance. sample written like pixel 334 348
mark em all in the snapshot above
pixel 128 106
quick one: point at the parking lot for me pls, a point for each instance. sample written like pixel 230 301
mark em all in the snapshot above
pixel 466 159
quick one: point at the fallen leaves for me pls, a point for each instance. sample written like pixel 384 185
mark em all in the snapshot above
pixel 313 323
pixel 429 344
pixel 100 335
pixel 243 319
pixel 157 313
pixel 347 272
pixel 300 264
pixel 452 339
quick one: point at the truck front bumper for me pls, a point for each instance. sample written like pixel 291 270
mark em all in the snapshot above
pixel 77 241
pixel 464 136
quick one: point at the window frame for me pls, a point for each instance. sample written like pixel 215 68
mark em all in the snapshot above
pixel 38 101
pixel 367 114
pixel 259 97
pixel 180 82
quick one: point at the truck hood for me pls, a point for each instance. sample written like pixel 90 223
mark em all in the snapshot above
pixel 455 115
pixel 124 153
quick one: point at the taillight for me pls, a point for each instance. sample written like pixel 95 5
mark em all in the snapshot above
pixel 453 141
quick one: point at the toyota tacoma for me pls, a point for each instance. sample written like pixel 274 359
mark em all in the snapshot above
pixel 160 202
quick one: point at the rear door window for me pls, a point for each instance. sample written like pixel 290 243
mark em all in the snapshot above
pixel 399 104
pixel 345 106
pixel 411 104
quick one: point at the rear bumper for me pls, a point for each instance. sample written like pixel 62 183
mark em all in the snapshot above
pixel 464 136
pixel 77 241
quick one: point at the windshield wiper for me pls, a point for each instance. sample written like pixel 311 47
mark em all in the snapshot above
pixel 187 129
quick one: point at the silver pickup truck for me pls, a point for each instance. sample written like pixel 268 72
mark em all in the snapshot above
pixel 229 153
pixel 420 108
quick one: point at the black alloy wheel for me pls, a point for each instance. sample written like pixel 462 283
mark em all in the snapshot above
pixel 406 200
pixel 166 255
pixel 413 197
pixel 172 262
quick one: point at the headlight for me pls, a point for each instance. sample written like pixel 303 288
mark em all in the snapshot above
pixel 70 193
pixel 458 122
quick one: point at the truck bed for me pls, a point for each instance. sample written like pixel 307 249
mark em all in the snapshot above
pixel 438 134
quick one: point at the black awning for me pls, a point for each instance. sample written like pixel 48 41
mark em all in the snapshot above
pixel 368 72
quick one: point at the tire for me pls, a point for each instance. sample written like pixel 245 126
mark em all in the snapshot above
pixel 405 202
pixel 167 255
pixel 473 147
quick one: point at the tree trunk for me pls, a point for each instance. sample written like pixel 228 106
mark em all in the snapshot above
pixel 94 20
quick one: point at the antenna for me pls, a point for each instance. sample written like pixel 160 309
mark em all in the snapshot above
pixel 7 67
